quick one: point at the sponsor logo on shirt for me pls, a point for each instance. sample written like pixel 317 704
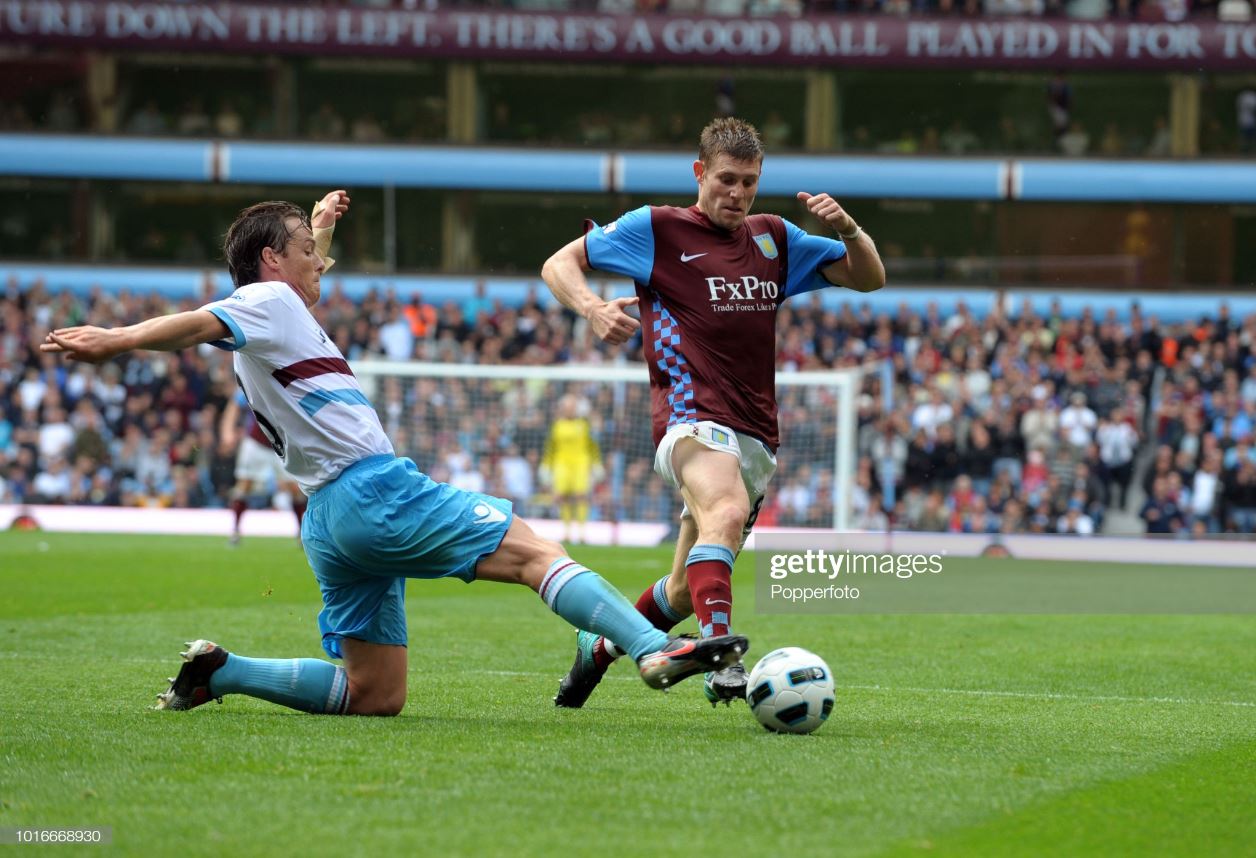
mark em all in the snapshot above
pixel 746 288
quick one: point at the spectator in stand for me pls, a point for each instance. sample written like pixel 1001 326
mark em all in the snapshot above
pixel 1039 424
pixel 136 424
pixel 1245 110
pixel 228 122
pixel 193 121
pixel 1075 141
pixel 1118 442
pixel 326 124
pixel 978 458
pixel 147 121
pixel 958 140
pixel 932 414
pixel 1075 521
pixel 1059 104
pixel 1240 496
pixel 1160 511
pixel 55 434
pixel 63 113
pixel 934 517
pixel 1077 423
pixel 1207 491
pixel 53 484
pixel 776 132
pixel 421 316
pixel 397 336
pixel 366 129
pixel 944 457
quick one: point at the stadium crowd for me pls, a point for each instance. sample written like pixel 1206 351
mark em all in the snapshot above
pixel 1015 422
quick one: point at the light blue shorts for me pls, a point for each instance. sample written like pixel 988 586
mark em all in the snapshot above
pixel 383 521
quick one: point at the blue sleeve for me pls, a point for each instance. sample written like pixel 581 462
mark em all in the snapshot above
pixel 623 247
pixel 237 341
pixel 807 255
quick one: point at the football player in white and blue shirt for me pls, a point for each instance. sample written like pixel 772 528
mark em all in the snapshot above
pixel 374 519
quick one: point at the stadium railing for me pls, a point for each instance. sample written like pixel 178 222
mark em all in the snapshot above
pixel 562 171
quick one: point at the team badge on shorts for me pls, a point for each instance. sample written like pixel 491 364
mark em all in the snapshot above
pixel 766 245
pixel 720 437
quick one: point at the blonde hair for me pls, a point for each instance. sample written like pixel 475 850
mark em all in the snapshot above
pixel 730 136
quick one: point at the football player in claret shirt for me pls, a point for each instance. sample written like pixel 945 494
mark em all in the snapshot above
pixel 373 519
pixel 709 280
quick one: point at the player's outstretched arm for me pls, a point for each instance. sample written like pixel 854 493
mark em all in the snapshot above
pixel 90 344
pixel 564 272
pixel 861 268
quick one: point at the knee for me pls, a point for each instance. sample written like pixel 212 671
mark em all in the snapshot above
pixel 391 707
pixel 367 700
pixel 380 705
pixel 546 552
pixel 726 521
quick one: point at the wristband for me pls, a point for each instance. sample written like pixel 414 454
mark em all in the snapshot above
pixel 322 238
pixel 851 236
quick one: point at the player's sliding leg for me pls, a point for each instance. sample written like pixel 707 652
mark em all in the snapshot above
pixel 587 601
pixel 209 672
pixel 664 603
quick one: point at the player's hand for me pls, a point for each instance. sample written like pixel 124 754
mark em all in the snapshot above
pixel 330 209
pixel 828 211
pixel 611 323
pixel 85 343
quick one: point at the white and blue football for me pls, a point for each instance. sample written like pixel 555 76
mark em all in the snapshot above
pixel 791 691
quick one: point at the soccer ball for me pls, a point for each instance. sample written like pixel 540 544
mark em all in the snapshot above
pixel 791 690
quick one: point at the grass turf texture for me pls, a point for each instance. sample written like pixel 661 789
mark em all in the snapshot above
pixel 952 735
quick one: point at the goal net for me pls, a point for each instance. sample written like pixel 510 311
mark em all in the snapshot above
pixel 484 428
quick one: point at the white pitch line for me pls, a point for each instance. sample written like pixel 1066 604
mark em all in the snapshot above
pixel 973 692
pixel 1051 695
pixel 969 692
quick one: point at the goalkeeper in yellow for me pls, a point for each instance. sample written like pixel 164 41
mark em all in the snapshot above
pixel 571 465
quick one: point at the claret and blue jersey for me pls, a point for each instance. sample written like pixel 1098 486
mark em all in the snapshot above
pixel 709 299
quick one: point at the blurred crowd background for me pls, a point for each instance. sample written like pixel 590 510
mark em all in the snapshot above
pixel 1003 420
pixel 1015 422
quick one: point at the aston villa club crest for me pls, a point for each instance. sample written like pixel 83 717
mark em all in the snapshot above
pixel 766 245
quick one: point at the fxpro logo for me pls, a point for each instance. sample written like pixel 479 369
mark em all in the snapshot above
pixel 747 288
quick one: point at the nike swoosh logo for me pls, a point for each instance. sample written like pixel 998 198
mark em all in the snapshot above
pixel 718 602
pixel 488 514
pixel 686 257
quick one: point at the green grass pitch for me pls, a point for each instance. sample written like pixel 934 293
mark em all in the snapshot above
pixel 952 735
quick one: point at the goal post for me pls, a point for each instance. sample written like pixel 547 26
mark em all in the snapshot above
pixel 483 427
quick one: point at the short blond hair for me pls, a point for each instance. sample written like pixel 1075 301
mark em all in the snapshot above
pixel 730 136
